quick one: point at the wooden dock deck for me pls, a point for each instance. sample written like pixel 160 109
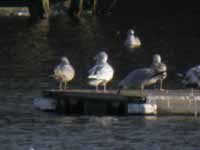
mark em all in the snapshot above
pixel 89 102
pixel 92 94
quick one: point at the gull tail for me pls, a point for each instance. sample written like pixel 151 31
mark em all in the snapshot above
pixel 180 75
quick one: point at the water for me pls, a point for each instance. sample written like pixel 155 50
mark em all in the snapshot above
pixel 28 54
pixel 46 132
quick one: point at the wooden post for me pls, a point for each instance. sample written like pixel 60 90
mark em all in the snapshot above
pixel 45 8
pixel 80 8
pixel 94 6
pixel 69 4
pixel 39 9
pixel 33 10
pixel 74 7
pixel 70 7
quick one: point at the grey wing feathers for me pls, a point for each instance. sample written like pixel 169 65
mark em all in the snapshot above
pixel 136 77
pixel 94 70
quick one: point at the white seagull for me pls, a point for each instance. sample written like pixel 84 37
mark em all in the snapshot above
pixel 145 76
pixel 192 77
pixel 132 41
pixel 64 73
pixel 102 72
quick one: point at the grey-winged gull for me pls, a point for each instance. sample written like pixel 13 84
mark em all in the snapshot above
pixel 132 41
pixel 64 73
pixel 146 76
pixel 102 72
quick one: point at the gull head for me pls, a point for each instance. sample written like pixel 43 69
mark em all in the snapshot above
pixel 102 57
pixel 130 32
pixel 65 60
pixel 156 59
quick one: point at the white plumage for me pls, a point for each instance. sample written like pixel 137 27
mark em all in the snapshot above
pixel 192 77
pixel 132 41
pixel 146 76
pixel 102 72
pixel 64 72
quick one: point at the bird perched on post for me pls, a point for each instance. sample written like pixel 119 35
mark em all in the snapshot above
pixel 132 41
pixel 192 77
pixel 146 76
pixel 64 73
pixel 102 72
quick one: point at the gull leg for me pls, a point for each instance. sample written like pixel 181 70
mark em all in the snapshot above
pixel 65 85
pixel 97 89
pixel 141 90
pixel 104 87
pixel 119 90
pixel 60 85
pixel 161 85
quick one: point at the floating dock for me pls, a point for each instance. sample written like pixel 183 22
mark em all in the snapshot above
pixel 128 102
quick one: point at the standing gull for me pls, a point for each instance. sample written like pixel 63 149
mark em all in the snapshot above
pixel 146 76
pixel 64 73
pixel 132 41
pixel 102 72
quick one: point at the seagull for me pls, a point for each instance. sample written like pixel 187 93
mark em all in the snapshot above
pixel 192 77
pixel 102 72
pixel 64 73
pixel 145 76
pixel 132 41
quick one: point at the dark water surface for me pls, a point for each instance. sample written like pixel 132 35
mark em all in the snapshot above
pixel 28 54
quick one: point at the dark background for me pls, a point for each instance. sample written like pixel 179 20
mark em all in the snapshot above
pixel 164 27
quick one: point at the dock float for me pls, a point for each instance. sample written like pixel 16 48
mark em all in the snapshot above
pixel 128 102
